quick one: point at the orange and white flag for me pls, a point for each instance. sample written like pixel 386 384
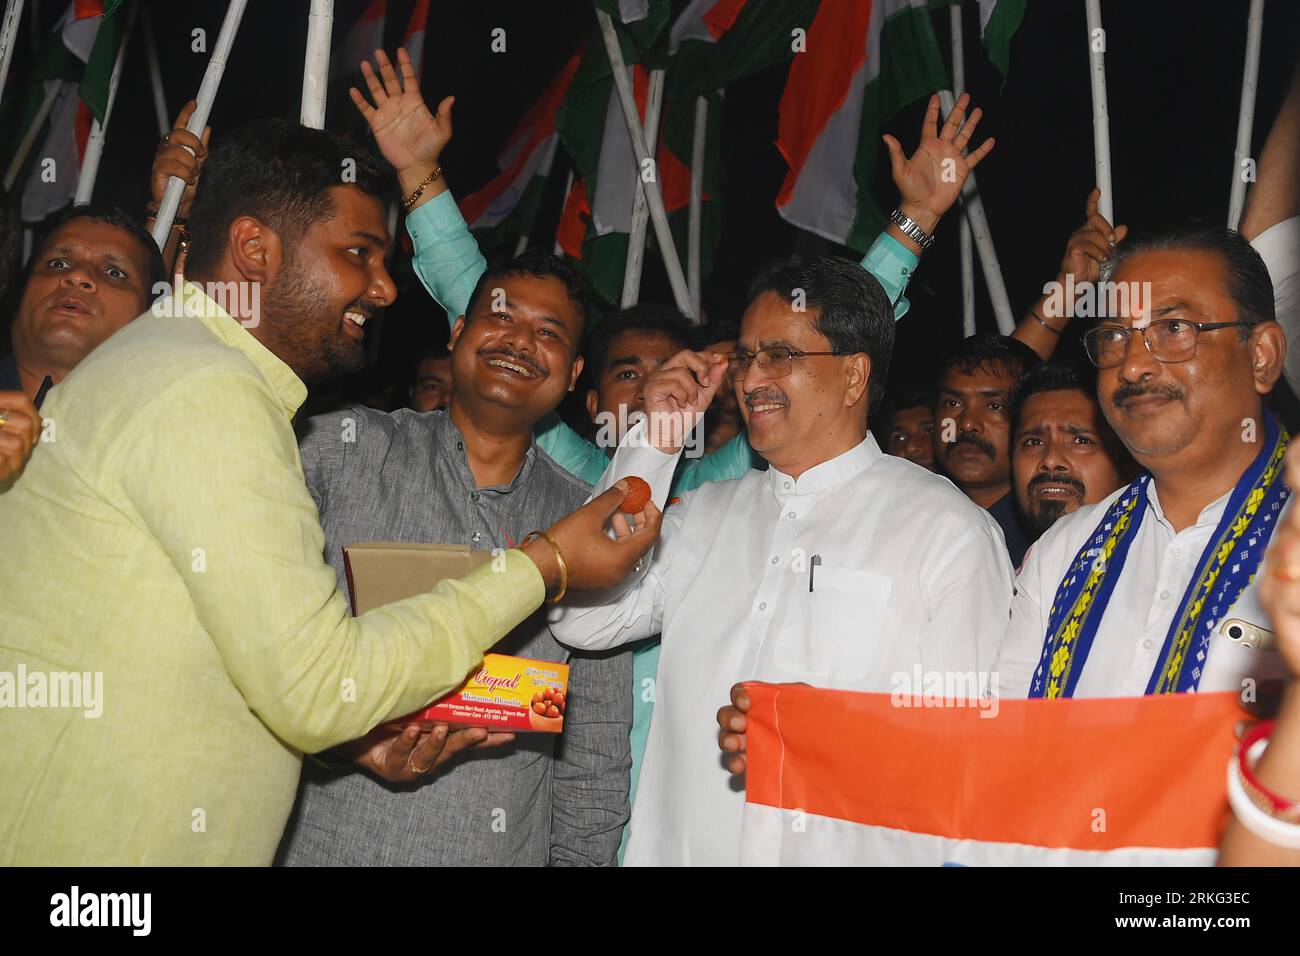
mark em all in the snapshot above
pixel 841 778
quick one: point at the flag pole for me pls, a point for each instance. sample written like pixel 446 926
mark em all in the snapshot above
pixel 52 88
pixel 568 188
pixel 1100 114
pixel 95 142
pixel 8 37
pixel 983 240
pixel 199 118
pixel 1246 115
pixel 316 67
pixel 155 74
pixel 697 200
pixel 655 199
pixel 963 225
pixel 640 211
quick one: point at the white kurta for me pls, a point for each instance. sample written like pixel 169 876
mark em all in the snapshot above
pixel 912 575
pixel 1156 574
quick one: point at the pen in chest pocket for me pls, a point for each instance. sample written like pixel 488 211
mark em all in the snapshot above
pixel 812 569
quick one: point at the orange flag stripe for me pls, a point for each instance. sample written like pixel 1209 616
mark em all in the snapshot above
pixel 1088 774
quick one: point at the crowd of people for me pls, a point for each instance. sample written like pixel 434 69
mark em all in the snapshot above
pixel 172 522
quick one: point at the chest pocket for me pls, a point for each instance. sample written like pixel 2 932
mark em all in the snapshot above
pixel 839 641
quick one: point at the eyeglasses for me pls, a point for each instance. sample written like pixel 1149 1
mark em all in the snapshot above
pixel 776 362
pixel 1168 340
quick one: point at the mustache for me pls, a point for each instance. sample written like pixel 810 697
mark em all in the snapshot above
pixel 366 308
pixel 1130 390
pixel 519 358
pixel 970 438
pixel 764 396
pixel 1047 478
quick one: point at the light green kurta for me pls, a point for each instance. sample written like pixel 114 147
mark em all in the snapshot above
pixel 166 539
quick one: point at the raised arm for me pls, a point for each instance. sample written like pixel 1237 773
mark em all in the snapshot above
pixel 1090 245
pixel 928 183
pixel 1276 194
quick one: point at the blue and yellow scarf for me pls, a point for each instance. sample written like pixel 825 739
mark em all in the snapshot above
pixel 1226 567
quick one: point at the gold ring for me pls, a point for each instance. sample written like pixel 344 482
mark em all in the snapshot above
pixel 419 773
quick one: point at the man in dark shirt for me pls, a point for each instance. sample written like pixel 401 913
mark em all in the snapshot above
pixel 973 427
pixel 473 476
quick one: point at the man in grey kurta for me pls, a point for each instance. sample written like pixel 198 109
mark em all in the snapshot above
pixel 473 475
pixel 539 800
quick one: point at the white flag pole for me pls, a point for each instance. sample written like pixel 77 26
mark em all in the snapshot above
pixel 983 240
pixel 155 74
pixel 316 67
pixel 1246 115
pixel 963 226
pixel 9 37
pixel 95 142
pixel 658 216
pixel 1100 114
pixel 640 210
pixel 52 88
pixel 207 94
pixel 697 200
pixel 568 188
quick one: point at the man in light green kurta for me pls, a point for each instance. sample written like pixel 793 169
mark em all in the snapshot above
pixel 165 540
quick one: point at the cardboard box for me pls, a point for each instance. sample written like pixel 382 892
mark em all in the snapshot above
pixel 505 693
pixel 380 573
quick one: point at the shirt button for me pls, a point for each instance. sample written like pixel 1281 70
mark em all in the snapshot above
pixel 1147 644
pixel 1176 552
pixel 476 537
pixel 791 514
pixel 787 484
pixel 474 496
pixel 775 559
pixel 1164 595
pixel 460 446
pixel 763 606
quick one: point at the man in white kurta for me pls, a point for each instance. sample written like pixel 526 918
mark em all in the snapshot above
pixel 1193 417
pixel 839 567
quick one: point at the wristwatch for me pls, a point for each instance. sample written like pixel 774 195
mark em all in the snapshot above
pixel 911 229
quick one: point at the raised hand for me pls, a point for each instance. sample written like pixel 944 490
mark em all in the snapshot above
pixel 410 137
pixel 931 180
pixel 180 154
pixel 678 393
pixel 1091 244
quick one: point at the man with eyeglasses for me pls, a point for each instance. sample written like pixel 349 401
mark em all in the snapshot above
pixel 1151 590
pixel 814 571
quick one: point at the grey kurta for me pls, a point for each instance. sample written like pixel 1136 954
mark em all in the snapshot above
pixel 404 477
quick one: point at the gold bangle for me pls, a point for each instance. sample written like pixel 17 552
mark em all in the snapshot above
pixel 559 560
pixel 410 200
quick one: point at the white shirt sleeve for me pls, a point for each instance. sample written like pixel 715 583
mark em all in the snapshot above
pixel 634 609
pixel 1023 646
pixel 1279 247
pixel 969 589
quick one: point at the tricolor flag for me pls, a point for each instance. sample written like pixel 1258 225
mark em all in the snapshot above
pixel 508 205
pixel 413 39
pixel 361 42
pixel 594 133
pixel 835 777
pixel 999 20
pixel 716 42
pixel 73 68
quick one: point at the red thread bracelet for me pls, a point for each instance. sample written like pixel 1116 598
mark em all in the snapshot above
pixel 1277 806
